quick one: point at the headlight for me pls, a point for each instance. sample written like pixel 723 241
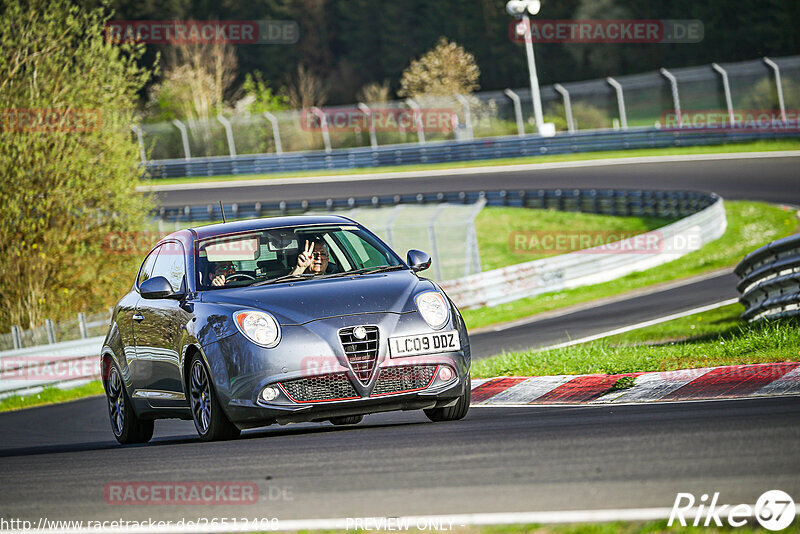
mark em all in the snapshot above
pixel 433 308
pixel 259 327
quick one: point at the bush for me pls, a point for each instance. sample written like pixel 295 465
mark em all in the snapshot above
pixel 68 183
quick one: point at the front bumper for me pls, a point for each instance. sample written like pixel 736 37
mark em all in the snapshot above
pixel 310 364
pixel 250 414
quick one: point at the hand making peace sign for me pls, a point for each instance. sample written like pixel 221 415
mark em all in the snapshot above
pixel 305 258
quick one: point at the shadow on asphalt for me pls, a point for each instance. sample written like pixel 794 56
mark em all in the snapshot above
pixel 258 433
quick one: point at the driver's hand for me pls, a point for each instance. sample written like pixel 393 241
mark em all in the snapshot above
pixel 305 259
pixel 218 280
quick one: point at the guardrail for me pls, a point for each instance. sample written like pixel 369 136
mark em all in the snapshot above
pixel 623 202
pixel 591 266
pixel 65 364
pixel 770 280
pixel 446 151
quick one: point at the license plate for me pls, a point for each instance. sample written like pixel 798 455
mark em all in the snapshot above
pixel 424 344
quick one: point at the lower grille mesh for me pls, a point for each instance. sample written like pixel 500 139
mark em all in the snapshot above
pixel 320 388
pixel 403 378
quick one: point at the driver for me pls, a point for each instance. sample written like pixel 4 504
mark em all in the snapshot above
pixel 222 270
pixel 313 259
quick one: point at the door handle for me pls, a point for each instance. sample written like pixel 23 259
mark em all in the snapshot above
pixel 138 317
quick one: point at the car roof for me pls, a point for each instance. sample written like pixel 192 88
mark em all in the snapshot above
pixel 213 230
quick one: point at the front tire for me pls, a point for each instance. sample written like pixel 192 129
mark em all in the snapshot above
pixel 125 425
pixel 455 412
pixel 210 421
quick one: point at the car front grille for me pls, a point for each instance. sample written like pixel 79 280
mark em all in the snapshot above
pixel 403 378
pixel 361 353
pixel 320 388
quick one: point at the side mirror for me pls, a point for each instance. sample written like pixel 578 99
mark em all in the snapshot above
pixel 418 260
pixel 158 287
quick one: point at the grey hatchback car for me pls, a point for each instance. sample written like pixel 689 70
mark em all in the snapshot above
pixel 278 320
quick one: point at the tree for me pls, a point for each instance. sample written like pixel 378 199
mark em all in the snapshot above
pixel 446 70
pixel 196 80
pixel 68 161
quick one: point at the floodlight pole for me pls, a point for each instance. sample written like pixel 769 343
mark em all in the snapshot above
pixel 535 96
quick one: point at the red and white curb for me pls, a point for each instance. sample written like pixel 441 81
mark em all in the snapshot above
pixel 735 381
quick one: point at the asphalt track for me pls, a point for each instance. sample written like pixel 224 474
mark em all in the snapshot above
pixel 769 179
pixel 56 461
pixel 593 320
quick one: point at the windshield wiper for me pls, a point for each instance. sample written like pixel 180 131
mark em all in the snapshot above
pixel 366 270
pixel 285 278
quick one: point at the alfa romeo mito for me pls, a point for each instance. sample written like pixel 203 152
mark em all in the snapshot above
pixel 280 320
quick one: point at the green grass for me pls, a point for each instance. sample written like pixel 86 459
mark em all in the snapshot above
pixel 708 339
pixel 750 225
pixel 50 395
pixel 758 146
pixel 498 229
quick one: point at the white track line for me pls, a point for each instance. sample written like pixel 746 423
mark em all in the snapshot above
pixel 636 293
pixel 644 324
pixel 469 170
pixel 406 523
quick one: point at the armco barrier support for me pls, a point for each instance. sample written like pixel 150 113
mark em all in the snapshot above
pixel 770 280
pixel 446 151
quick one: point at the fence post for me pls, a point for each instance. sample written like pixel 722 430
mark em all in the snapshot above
pixel 417 119
pixel 676 99
pixel 437 268
pixel 777 71
pixel 567 106
pixel 517 111
pixel 623 117
pixel 389 223
pixel 727 90
pixel 229 134
pixel 51 331
pixel 82 325
pixel 184 137
pixel 373 139
pixel 467 114
pixel 276 134
pixel 326 137
pixel 16 337
pixel 140 139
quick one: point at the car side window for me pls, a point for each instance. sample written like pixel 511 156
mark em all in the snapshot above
pixel 170 264
pixel 363 252
pixel 147 266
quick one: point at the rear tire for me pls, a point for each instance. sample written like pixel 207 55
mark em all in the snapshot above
pixel 125 425
pixel 455 412
pixel 346 420
pixel 210 421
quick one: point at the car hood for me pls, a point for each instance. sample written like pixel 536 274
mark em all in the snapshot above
pixel 307 300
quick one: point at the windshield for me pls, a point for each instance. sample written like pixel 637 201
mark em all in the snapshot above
pixel 278 254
